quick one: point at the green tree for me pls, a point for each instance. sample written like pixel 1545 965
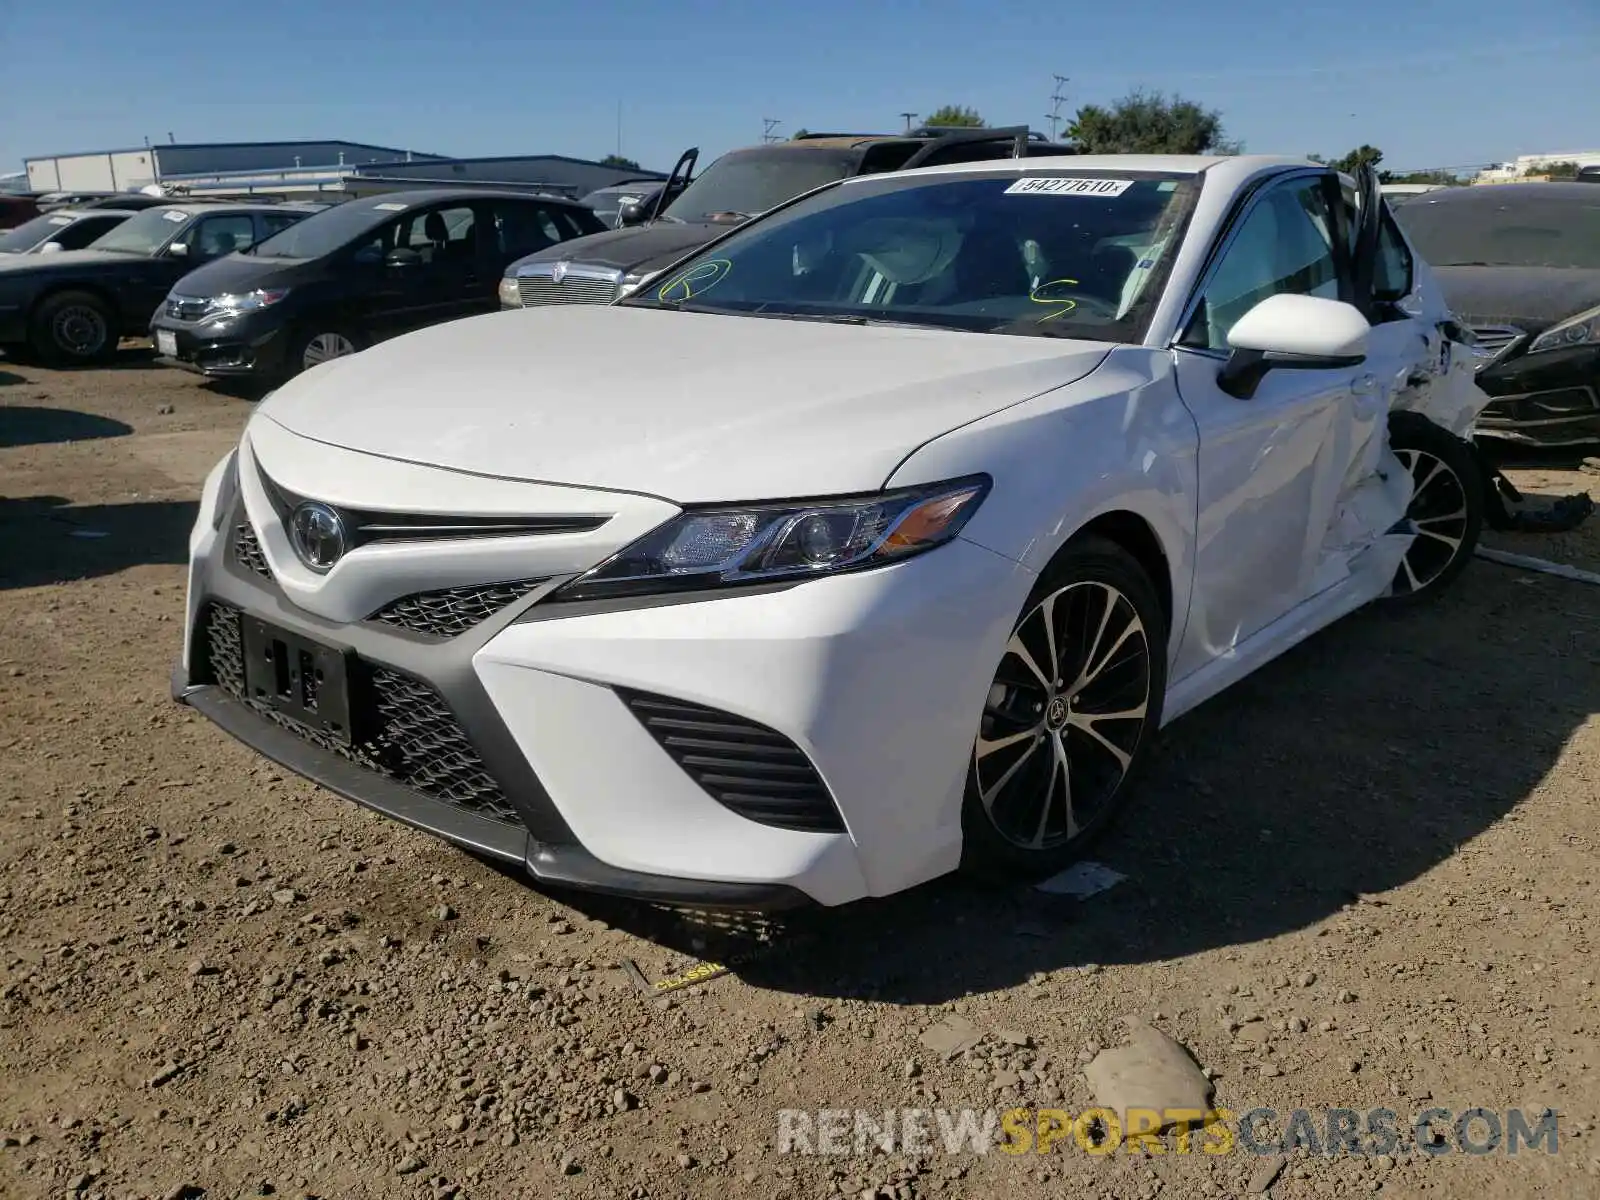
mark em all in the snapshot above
pixel 1362 155
pixel 1556 170
pixel 956 114
pixel 798 134
pixel 1150 123
pixel 616 160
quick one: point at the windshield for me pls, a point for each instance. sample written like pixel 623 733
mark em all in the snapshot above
pixel 748 182
pixel 324 232
pixel 1527 231
pixel 143 233
pixel 1058 255
pixel 30 233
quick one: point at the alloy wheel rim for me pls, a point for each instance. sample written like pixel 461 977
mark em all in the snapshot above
pixel 325 346
pixel 79 330
pixel 1438 509
pixel 1064 715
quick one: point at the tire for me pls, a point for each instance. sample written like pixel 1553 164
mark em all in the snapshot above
pixel 1102 603
pixel 1447 506
pixel 74 329
pixel 302 350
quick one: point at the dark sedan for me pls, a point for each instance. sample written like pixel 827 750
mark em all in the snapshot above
pixel 1520 264
pixel 356 274
pixel 73 307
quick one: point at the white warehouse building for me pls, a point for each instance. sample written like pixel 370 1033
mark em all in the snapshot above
pixel 130 169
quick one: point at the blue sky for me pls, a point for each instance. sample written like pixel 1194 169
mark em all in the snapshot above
pixel 1431 82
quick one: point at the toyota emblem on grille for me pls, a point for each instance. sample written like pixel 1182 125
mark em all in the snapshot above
pixel 317 533
pixel 559 271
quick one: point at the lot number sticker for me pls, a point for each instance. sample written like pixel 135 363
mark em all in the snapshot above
pixel 1043 185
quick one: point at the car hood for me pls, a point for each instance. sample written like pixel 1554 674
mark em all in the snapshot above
pixel 1531 298
pixel 690 407
pixel 640 248
pixel 233 273
pixel 66 260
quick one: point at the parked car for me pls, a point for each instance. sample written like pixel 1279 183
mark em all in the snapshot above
pixel 16 210
pixel 608 203
pixel 61 229
pixel 1520 262
pixel 691 211
pixel 73 307
pixel 878 537
pixel 353 275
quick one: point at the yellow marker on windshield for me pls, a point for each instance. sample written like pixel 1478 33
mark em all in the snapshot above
pixel 1062 303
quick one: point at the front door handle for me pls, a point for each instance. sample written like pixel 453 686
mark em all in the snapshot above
pixel 1365 386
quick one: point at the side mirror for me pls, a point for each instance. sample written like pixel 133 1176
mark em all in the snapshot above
pixel 51 248
pixel 402 258
pixel 630 213
pixel 179 249
pixel 1286 332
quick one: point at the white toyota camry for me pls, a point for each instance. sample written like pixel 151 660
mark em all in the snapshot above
pixel 874 540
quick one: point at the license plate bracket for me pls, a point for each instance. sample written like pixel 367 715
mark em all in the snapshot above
pixel 303 680
pixel 166 343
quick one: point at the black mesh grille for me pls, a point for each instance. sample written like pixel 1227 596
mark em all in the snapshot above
pixel 748 768
pixel 404 730
pixel 454 610
pixel 247 549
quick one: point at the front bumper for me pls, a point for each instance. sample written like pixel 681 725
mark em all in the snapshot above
pixel 1546 399
pixel 873 679
pixel 243 348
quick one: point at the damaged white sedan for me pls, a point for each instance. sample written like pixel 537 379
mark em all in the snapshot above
pixel 875 539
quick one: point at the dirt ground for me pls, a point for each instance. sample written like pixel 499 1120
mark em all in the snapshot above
pixel 1365 878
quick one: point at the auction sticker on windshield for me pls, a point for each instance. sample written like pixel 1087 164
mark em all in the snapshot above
pixel 1044 185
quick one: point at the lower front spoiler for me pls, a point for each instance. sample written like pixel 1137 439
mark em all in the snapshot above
pixel 568 866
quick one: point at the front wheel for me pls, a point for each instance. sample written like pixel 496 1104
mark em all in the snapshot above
pixel 1446 506
pixel 317 344
pixel 1070 716
pixel 74 329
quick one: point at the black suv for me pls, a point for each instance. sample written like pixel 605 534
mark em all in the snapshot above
pixel 361 272
pixel 73 307
pixel 691 211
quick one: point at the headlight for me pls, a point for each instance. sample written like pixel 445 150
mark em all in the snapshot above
pixel 227 490
pixel 510 296
pixel 719 547
pixel 1575 331
pixel 232 303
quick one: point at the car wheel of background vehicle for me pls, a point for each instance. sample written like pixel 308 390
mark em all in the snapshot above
pixel 318 344
pixel 74 327
pixel 1070 717
pixel 1446 506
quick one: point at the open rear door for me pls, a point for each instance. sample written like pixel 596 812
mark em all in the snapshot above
pixel 1369 196
pixel 679 178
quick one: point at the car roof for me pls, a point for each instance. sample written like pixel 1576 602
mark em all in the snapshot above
pixel 1171 164
pixel 69 211
pixel 429 195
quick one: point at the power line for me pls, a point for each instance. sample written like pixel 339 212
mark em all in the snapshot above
pixel 1057 98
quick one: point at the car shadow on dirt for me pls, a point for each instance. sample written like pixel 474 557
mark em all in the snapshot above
pixel 1347 768
pixel 45 540
pixel 28 425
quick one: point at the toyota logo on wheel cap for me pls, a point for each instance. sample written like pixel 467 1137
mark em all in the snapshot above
pixel 317 533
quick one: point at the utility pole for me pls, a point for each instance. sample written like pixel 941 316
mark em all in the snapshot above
pixel 909 116
pixel 768 125
pixel 1057 99
pixel 619 128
